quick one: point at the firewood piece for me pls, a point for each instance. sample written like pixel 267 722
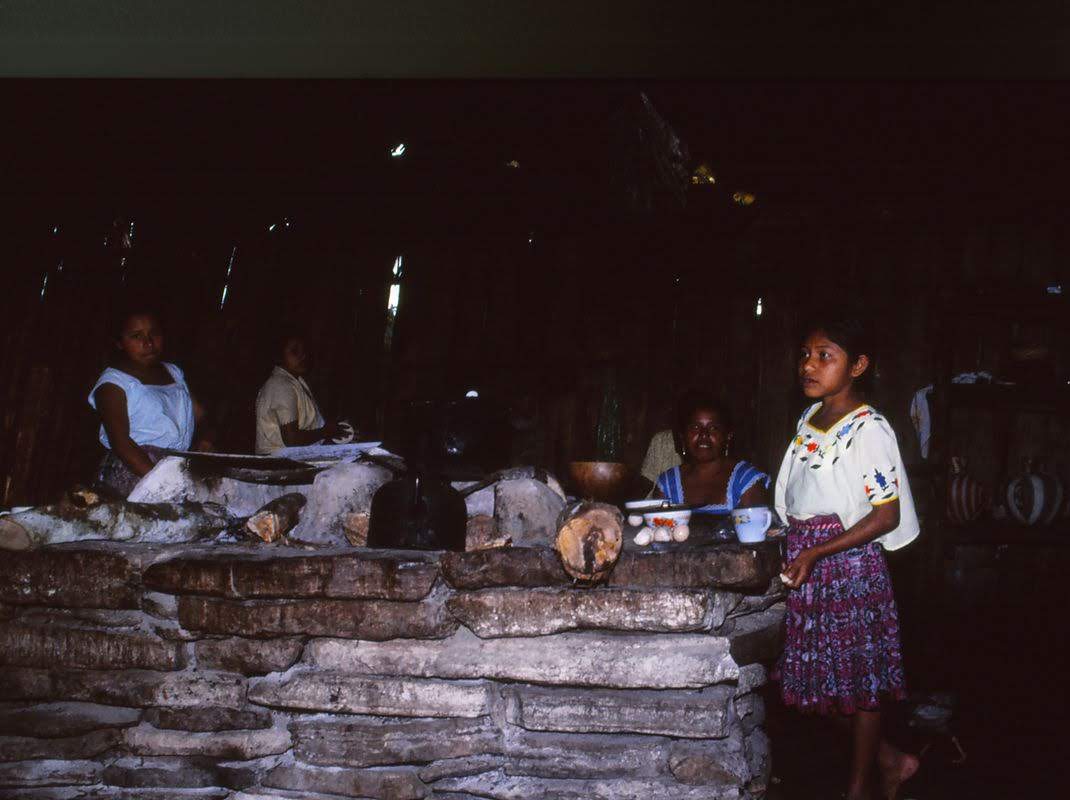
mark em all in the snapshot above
pixel 589 540
pixel 276 518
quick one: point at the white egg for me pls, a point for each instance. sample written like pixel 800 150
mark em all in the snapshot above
pixel 635 520
pixel 661 534
pixel 680 533
pixel 644 537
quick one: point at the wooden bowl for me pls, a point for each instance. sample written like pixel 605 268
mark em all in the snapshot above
pixel 606 481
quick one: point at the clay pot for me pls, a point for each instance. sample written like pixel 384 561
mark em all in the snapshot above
pixel 967 499
pixel 1034 497
pixel 606 481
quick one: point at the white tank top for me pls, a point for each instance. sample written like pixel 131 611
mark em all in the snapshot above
pixel 161 416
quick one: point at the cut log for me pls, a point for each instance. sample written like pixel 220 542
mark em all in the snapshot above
pixel 277 517
pixel 589 540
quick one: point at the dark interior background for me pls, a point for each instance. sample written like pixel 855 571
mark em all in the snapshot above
pixel 532 283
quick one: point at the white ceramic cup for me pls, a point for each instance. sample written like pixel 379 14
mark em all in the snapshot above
pixel 752 523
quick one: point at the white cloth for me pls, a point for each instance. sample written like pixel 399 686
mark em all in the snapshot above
pixel 284 398
pixel 161 416
pixel 846 470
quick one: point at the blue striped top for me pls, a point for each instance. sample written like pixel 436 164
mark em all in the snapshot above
pixel 744 475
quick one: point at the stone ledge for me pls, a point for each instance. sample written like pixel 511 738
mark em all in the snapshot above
pixel 137 688
pixel 578 659
pixel 33 646
pixel 145 740
pixel 498 786
pixel 370 575
pixel 504 566
pixel 536 612
pixel 60 720
pixel 366 784
pixel 378 741
pixel 731 566
pixel 367 619
pixel 84 578
pixel 379 695
pixel 248 656
pixel 693 715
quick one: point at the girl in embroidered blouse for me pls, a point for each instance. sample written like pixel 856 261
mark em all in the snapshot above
pixel 710 477
pixel 843 491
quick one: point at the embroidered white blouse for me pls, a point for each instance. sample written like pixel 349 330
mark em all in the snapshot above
pixel 846 470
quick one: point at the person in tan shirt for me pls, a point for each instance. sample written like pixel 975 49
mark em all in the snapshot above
pixel 286 412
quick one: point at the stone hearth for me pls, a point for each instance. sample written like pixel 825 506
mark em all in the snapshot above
pixel 246 673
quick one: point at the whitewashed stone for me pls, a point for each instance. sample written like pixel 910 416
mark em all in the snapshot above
pixel 668 661
pixel 335 493
pixel 526 511
pixel 51 647
pixel 498 786
pixel 537 612
pixel 381 695
pixel 50 720
pixel 138 688
pixel 145 740
pixel 50 772
pixel 87 745
pixel 459 767
pixel 248 656
pixel 375 741
pixel 367 784
pixel 562 755
pixel 697 715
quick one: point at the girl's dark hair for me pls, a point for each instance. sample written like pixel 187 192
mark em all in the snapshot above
pixel 122 315
pixel 693 400
pixel 281 337
pixel 851 330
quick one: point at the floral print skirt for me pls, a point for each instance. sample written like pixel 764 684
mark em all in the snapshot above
pixel 841 645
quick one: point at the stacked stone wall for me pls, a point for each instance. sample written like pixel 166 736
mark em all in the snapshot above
pixel 141 671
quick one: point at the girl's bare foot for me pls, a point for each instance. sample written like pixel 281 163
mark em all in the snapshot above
pixel 895 771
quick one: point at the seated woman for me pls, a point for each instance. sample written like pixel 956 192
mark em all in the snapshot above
pixel 144 404
pixel 709 477
pixel 286 411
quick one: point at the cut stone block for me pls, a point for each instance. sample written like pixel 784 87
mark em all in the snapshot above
pixel 248 656
pixel 537 612
pixel 88 745
pixel 29 646
pixel 380 695
pixel 498 786
pixel 733 567
pixel 208 719
pixel 367 784
pixel 49 772
pixel 68 578
pixel 459 767
pixel 751 676
pixel 335 494
pixel 126 688
pixel 697 715
pixel 56 720
pixel 668 661
pixel 364 619
pixel 526 511
pixel 164 606
pixel 557 755
pixel 177 773
pixel 750 709
pixel 374 741
pixel 294 574
pixel 504 566
pixel 720 763
pixel 145 740
pixel 758 637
